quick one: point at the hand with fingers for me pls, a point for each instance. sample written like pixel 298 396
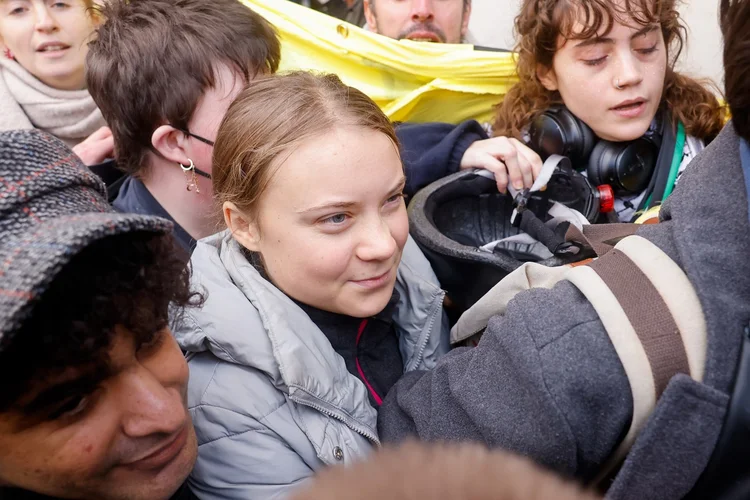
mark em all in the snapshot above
pixel 509 159
pixel 96 148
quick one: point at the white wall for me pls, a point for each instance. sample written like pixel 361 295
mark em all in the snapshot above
pixel 492 24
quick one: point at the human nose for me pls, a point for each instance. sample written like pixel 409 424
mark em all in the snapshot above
pixel 628 72
pixel 150 407
pixel 421 11
pixel 44 21
pixel 377 243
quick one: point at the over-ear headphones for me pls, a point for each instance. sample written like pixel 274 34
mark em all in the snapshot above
pixel 626 166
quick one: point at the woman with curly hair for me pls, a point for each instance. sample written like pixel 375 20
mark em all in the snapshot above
pixel 608 66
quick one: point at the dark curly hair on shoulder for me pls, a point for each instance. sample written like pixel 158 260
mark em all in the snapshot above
pixel 128 280
pixel 541 22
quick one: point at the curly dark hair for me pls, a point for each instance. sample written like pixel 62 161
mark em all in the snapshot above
pixel 538 26
pixel 128 280
pixel 735 26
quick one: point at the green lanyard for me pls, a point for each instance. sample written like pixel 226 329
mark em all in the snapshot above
pixel 674 169
pixel 679 148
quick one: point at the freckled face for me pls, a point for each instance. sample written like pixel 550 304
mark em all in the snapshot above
pixel 333 222
pixel 613 83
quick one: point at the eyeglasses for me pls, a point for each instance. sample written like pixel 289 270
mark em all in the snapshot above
pixel 195 136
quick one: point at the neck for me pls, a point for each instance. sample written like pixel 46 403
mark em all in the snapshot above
pixel 190 209
pixel 71 83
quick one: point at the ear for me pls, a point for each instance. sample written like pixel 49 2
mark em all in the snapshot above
pixel 465 21
pixel 372 21
pixel 245 231
pixel 547 76
pixel 170 143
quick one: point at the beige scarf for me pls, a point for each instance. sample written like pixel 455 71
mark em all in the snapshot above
pixel 26 102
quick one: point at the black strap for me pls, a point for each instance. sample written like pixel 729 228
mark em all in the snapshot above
pixel 554 240
pixel 658 185
pixel 202 173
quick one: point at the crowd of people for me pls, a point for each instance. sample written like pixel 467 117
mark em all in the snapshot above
pixel 243 314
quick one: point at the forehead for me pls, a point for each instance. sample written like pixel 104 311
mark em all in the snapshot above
pixel 583 19
pixel 343 160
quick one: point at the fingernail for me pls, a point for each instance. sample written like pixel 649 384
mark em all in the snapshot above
pixel 518 185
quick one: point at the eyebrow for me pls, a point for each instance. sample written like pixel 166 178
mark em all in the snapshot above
pixel 348 204
pixel 49 397
pixel 600 40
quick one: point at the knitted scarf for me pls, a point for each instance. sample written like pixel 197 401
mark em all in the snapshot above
pixel 26 102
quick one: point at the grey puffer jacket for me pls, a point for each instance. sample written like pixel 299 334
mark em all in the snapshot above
pixel 545 380
pixel 270 399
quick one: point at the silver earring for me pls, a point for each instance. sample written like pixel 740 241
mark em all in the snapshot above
pixel 192 181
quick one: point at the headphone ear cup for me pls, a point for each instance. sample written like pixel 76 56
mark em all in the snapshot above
pixel 580 138
pixel 626 166
pixel 558 131
pixel 548 136
pixel 600 163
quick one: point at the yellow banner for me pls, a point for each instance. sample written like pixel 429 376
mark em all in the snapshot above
pixel 410 81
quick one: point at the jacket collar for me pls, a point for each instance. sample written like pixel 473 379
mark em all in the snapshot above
pixel 135 198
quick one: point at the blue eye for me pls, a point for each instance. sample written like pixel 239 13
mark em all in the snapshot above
pixel 336 219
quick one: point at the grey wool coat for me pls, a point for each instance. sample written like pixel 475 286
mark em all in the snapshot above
pixel 271 401
pixel 545 380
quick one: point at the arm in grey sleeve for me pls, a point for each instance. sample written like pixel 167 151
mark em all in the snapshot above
pixel 544 381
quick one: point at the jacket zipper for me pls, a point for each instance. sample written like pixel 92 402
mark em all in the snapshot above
pixel 307 400
pixel 351 423
pixel 423 345
pixel 370 388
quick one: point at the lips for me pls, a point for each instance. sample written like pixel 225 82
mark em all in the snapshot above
pixel 631 108
pixel 163 455
pixel 629 104
pixel 424 36
pixel 374 281
pixel 52 47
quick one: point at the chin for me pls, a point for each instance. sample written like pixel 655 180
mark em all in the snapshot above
pixel 169 480
pixel 369 306
pixel 626 132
